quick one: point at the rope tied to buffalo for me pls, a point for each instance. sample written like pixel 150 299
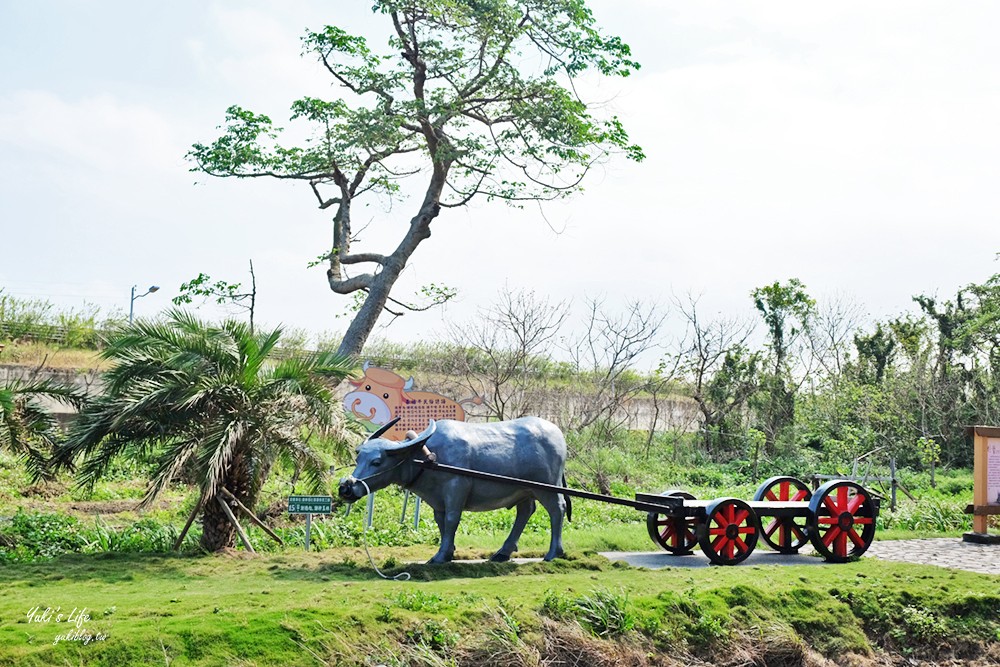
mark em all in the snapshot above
pixel 402 576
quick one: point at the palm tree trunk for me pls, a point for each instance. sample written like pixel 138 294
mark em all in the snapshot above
pixel 218 532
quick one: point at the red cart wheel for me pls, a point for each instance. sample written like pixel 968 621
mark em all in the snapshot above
pixel 786 534
pixel 676 534
pixel 841 520
pixel 729 533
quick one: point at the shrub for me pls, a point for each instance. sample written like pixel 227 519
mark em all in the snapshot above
pixel 37 536
pixel 604 613
pixel 557 606
pixel 145 535
pixel 432 633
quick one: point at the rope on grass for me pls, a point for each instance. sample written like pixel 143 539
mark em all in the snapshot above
pixel 402 576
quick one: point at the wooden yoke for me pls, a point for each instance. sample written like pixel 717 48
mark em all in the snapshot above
pixel 428 454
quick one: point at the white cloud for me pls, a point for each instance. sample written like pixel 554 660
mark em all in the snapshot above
pixel 97 132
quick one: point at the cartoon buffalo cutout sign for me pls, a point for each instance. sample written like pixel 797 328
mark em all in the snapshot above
pixel 381 396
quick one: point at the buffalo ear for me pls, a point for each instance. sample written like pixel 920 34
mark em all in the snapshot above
pixel 382 429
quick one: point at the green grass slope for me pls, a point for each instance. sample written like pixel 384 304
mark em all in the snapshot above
pixel 317 609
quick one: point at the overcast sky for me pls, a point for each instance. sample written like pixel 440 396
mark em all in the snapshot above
pixel 852 145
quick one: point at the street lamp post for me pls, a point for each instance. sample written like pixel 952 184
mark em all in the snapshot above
pixel 131 303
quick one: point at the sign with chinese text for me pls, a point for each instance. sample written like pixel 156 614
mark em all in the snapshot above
pixel 993 471
pixel 310 504
pixel 381 396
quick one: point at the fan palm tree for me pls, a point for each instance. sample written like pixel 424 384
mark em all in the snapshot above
pixel 209 399
pixel 27 427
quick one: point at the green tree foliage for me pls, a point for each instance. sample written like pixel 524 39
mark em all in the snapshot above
pixel 476 98
pixel 725 396
pixel 27 427
pixel 221 292
pixel 876 352
pixel 207 400
pixel 787 311
pixel 918 378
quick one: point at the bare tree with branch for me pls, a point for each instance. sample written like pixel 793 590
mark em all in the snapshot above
pixel 720 370
pixel 478 98
pixel 506 350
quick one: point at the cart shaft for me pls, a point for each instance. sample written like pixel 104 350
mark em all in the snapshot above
pixel 663 504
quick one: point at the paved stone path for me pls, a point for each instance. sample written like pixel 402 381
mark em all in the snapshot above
pixel 655 560
pixel 943 551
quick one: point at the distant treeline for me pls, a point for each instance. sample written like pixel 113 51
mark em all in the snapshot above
pixel 796 376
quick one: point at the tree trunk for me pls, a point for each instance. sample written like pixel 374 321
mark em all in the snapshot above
pixel 217 531
pixel 378 293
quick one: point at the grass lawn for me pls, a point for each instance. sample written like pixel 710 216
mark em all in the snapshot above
pixel 296 608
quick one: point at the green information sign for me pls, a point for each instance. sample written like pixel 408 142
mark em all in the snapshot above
pixel 310 504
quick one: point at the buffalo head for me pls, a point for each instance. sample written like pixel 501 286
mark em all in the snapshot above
pixel 383 462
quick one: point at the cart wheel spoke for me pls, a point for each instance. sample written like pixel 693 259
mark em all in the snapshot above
pixel 858 542
pixel 841 544
pixel 855 503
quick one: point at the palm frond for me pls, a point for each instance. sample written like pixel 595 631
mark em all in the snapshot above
pixel 221 441
pixel 171 462
pixel 27 428
pixel 307 460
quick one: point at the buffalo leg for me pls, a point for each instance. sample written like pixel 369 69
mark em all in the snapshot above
pixel 525 509
pixel 555 505
pixel 447 522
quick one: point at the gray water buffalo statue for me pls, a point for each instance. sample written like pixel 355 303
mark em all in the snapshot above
pixel 527 448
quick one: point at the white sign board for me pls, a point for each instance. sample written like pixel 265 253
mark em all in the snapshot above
pixel 993 471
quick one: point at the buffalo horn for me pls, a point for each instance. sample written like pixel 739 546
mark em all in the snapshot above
pixel 413 442
pixel 383 429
